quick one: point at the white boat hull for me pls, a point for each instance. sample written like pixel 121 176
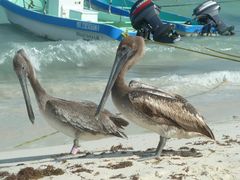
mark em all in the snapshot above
pixel 50 31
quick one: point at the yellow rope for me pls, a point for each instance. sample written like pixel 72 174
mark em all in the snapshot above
pixel 199 52
pixel 37 139
pixel 125 34
pixel 220 52
pixel 227 55
pixel 210 90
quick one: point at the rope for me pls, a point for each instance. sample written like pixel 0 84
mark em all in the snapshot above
pixel 223 53
pixel 36 139
pixel 210 90
pixel 125 34
pixel 199 52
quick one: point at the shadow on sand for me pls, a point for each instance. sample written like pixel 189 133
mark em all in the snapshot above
pixel 182 152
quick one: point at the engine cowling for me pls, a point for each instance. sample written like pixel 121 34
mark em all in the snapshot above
pixel 207 14
pixel 144 16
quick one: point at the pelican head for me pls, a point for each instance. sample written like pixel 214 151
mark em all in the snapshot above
pixel 128 53
pixel 24 70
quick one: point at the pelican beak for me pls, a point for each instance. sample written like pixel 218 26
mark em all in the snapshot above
pixel 121 58
pixel 23 82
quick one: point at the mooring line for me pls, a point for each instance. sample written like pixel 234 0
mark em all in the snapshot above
pixel 210 90
pixel 36 139
pixel 223 53
pixel 199 52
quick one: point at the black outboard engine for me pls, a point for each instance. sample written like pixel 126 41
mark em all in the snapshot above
pixel 207 14
pixel 145 19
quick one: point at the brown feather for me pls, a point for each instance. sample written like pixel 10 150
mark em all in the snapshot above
pixel 169 111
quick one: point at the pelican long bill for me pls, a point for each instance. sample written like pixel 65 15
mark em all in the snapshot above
pixel 165 113
pixel 120 60
pixel 23 82
pixel 72 118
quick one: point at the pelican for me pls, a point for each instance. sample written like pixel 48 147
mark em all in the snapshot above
pixel 74 119
pixel 165 113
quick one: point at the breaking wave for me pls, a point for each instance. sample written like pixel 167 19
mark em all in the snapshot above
pixel 78 52
pixel 194 83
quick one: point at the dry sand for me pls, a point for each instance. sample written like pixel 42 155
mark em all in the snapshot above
pixel 115 158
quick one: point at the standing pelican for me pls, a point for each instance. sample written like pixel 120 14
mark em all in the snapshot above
pixel 74 119
pixel 169 115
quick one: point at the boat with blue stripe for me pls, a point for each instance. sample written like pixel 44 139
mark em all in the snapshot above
pixel 71 19
pixel 65 20
pixel 183 25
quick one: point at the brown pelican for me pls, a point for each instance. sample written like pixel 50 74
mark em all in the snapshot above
pixel 169 115
pixel 74 119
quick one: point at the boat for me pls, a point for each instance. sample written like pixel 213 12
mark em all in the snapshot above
pixel 184 26
pixel 122 8
pixel 65 20
pixel 71 20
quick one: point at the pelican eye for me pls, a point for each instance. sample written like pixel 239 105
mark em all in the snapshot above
pixel 23 67
pixel 124 48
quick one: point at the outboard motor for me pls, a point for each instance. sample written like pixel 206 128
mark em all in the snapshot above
pixel 144 16
pixel 207 14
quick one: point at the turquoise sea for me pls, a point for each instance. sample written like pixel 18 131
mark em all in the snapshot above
pixel 78 70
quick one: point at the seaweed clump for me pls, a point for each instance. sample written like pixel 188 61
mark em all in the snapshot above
pixel 31 173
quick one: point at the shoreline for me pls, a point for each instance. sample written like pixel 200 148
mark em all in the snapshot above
pixel 115 158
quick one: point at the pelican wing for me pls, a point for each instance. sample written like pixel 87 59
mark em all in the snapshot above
pixel 81 115
pixel 137 84
pixel 155 90
pixel 168 109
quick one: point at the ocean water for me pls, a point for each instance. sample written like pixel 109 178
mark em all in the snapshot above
pixel 79 70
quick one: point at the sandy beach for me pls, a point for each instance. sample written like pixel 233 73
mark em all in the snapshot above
pixel 79 70
pixel 115 158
